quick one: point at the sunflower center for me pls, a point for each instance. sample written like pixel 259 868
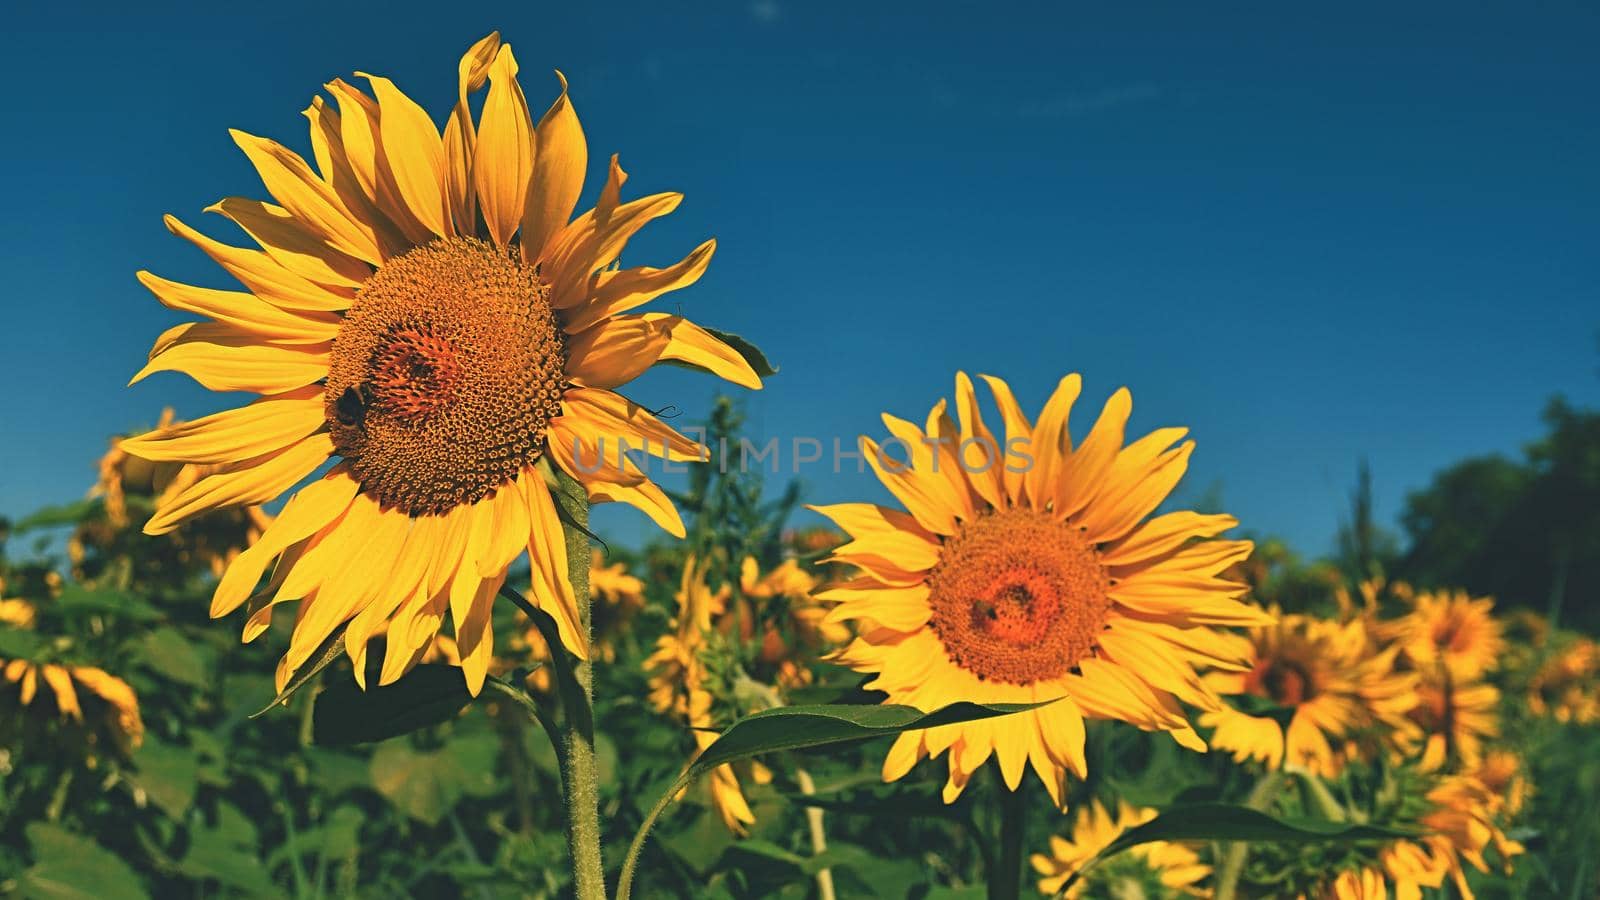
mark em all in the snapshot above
pixel 1286 683
pixel 1018 597
pixel 445 376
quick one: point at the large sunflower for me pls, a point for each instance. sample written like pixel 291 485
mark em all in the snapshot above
pixel 1033 579
pixel 423 312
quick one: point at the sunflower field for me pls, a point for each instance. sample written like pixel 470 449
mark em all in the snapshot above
pixel 357 635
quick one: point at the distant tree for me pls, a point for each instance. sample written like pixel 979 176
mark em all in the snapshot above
pixel 1366 549
pixel 1527 532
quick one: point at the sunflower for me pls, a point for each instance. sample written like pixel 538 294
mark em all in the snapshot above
pixel 1505 775
pixel 1455 718
pixel 794 626
pixel 423 314
pixel 1174 868
pixel 1451 629
pixel 1318 675
pixel 62 684
pixel 1564 686
pixel 678 678
pixel 1035 576
pixel 1459 825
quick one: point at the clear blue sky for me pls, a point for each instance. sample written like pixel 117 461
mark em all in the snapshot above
pixel 1310 236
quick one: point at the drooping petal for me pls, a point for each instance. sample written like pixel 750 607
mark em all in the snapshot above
pixel 547 553
pixel 617 350
pixel 308 198
pixel 307 512
pixel 291 244
pixel 264 276
pixel 619 290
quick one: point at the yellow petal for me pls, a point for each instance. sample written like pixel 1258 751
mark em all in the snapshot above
pixel 508 530
pixel 601 245
pixel 620 290
pixel 1164 534
pixel 263 275
pixel 617 350
pixel 977 451
pixel 547 555
pixel 1018 458
pixel 1051 441
pixel 61 685
pixel 1139 480
pixel 691 344
pixel 245 313
pixel 368 563
pixel 307 512
pixel 291 244
pixel 243 484
pixel 414 151
pixel 225 359
pixel 614 417
pixel 503 159
pixel 460 137
pixel 560 157
pixel 308 198
pixel 475 634
pixel 264 426
pixel 1082 473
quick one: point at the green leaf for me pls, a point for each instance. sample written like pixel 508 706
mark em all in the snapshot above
pixel 18 644
pixel 331 649
pixel 1224 822
pixel 796 727
pixel 427 695
pixel 76 599
pixel 168 652
pixel 167 774
pixel 53 516
pixel 426 785
pixel 227 853
pixel 751 353
pixel 71 867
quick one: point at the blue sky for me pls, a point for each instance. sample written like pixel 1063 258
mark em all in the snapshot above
pixel 1310 236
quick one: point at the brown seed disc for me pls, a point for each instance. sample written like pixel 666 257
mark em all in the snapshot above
pixel 445 376
pixel 1018 597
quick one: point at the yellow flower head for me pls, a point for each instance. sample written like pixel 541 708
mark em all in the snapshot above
pixel 1565 688
pixel 1504 774
pixel 1322 675
pixel 1450 629
pixel 1455 718
pixel 1458 824
pixel 796 634
pixel 425 313
pixel 1028 570
pixel 1177 867
pixel 61 684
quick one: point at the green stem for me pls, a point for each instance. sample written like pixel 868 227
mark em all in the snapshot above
pixel 581 774
pixel 1321 797
pixel 631 862
pixel 1232 867
pixel 1005 879
pixel 575 683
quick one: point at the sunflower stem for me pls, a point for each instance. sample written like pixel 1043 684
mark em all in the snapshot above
pixel 1005 879
pixel 575 684
pixel 581 773
pixel 1261 796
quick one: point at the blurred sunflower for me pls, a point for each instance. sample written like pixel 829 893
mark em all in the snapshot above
pixel 1565 688
pixel 61 683
pixel 1504 774
pixel 1317 676
pixel 423 312
pixel 678 679
pixel 794 625
pixel 1157 868
pixel 1459 825
pixel 1455 718
pixel 212 540
pixel 1450 629
pixel 1007 581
